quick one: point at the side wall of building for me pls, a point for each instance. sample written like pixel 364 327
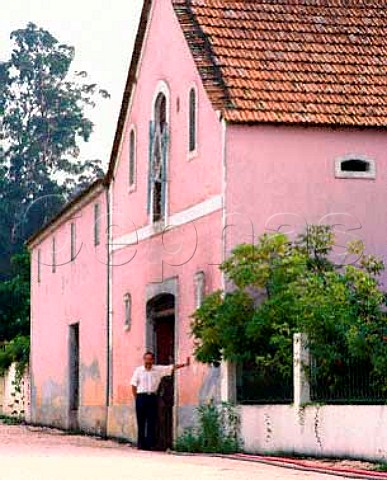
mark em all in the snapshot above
pixel 74 292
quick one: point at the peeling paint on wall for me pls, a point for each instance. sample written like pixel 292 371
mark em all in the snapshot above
pixel 210 388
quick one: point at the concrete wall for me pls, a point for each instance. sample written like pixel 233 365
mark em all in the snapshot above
pixel 12 401
pixel 329 430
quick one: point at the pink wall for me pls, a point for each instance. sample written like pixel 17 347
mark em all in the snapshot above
pixel 286 176
pixel 202 246
pixel 76 292
pixel 168 58
pixel 191 181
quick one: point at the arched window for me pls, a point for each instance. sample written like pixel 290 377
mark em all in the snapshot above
pixel 157 182
pixel 192 120
pixel 132 158
pixel 355 166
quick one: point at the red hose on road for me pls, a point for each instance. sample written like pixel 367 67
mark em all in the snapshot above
pixel 308 465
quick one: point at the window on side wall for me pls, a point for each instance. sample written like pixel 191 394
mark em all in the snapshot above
pixel 127 311
pixel 39 266
pixel 355 166
pixel 53 254
pixel 132 159
pixel 192 121
pixel 96 224
pixel 200 288
pixel 73 241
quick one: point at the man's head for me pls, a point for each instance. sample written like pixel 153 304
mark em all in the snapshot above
pixel 149 359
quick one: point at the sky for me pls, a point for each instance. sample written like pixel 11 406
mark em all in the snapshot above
pixel 103 34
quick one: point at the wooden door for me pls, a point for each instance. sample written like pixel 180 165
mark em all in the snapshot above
pixel 165 355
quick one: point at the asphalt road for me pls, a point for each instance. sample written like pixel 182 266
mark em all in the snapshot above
pixel 30 453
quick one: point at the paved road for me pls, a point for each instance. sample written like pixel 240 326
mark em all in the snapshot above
pixel 29 453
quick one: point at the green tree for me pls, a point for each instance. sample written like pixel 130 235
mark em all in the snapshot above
pixel 282 287
pixel 14 299
pixel 14 315
pixel 43 122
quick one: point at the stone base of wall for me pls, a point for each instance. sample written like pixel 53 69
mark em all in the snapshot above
pixel 92 419
pixel 122 422
pixel 186 417
pixel 329 430
pixel 50 417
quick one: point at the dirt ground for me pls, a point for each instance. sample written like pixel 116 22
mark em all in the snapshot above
pixel 32 453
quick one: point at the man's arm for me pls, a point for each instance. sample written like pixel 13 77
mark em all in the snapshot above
pixel 134 382
pixel 182 365
pixel 134 391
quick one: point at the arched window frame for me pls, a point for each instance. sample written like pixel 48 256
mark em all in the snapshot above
pixel 193 123
pixel 162 88
pixel 369 174
pixel 132 158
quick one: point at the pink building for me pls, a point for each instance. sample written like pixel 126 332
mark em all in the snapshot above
pixel 238 117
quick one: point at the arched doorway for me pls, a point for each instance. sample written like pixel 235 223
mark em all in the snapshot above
pixel 161 322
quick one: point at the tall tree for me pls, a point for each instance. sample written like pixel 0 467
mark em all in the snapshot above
pixel 43 122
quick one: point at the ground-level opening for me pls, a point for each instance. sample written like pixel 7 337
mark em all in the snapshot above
pixel 161 318
pixel 73 376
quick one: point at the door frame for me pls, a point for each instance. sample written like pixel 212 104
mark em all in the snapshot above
pixel 153 290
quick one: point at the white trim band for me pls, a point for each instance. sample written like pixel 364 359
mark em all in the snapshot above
pixel 199 210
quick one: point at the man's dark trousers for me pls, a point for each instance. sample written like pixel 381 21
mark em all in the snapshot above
pixel 146 411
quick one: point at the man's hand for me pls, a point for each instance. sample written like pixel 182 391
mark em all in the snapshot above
pixel 182 365
pixel 134 391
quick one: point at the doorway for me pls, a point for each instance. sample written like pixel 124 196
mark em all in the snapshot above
pixel 161 317
pixel 73 376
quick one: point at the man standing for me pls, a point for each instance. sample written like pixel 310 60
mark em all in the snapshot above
pixel 145 382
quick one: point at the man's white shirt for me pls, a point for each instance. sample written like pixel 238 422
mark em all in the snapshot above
pixel 148 381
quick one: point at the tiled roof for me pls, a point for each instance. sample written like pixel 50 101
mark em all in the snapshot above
pixel 291 61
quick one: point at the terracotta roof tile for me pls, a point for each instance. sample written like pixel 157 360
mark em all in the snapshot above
pixel 291 61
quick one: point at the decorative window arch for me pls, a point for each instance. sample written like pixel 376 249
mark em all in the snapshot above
pixel 132 158
pixel 158 155
pixel 355 166
pixel 192 120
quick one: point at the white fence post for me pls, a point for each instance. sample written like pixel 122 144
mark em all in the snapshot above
pixel 228 382
pixel 301 359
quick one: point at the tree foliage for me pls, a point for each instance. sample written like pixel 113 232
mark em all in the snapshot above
pixel 14 315
pixel 282 287
pixel 43 122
